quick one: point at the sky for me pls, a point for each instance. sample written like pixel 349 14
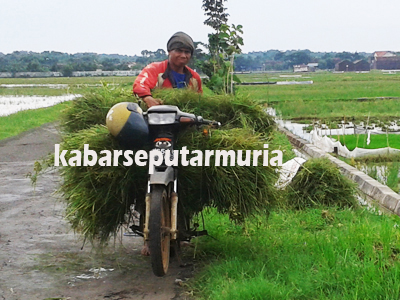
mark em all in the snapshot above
pixel 129 26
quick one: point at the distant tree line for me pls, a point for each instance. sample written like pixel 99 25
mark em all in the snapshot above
pixel 23 61
pixel 51 61
pixel 278 60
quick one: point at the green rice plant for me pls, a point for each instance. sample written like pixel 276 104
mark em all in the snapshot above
pixel 279 141
pixel 384 110
pixel 379 158
pixel 352 141
pixel 33 91
pixel 384 169
pixel 372 171
pixel 319 182
pixel 393 179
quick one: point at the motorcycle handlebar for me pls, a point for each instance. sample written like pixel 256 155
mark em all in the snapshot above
pixel 202 121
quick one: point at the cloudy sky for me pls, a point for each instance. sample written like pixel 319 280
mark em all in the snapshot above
pixel 130 26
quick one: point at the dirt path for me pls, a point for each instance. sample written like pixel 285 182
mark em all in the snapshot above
pixel 41 258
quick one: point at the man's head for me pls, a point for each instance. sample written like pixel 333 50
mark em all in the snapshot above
pixel 180 49
pixel 180 40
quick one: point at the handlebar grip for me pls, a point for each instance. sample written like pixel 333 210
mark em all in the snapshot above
pixel 201 121
pixel 212 123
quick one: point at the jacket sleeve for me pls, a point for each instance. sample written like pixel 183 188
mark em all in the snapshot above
pixel 200 89
pixel 197 77
pixel 146 81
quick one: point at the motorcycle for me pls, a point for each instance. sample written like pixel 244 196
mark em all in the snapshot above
pixel 165 224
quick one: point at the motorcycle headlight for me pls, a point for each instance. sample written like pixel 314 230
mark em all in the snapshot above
pixel 161 119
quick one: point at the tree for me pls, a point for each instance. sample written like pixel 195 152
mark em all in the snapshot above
pixel 145 53
pixel 245 63
pixel 279 56
pixel 223 44
pixel 230 45
pixel 215 11
pixel 298 58
pixel 198 59
pixel 34 66
pixel 345 55
pixel 160 54
pixel 67 70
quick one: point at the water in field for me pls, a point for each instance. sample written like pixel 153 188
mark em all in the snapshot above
pixel 51 86
pixel 12 104
pixel 386 173
pixel 303 130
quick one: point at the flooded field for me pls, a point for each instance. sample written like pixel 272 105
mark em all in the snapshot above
pixel 12 104
pixel 386 173
pixel 51 86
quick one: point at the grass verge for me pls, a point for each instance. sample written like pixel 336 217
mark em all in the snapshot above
pixel 311 254
pixel 19 122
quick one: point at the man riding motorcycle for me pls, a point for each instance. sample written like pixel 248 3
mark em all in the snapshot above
pixel 171 73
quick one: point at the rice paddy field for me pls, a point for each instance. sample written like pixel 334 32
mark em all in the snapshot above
pixel 332 96
pixel 57 85
pixel 315 253
pixel 326 86
pixel 337 94
pixel 377 141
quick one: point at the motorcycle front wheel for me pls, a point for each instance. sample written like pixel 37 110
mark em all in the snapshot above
pixel 159 230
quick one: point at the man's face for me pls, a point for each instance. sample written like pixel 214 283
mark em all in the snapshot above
pixel 179 57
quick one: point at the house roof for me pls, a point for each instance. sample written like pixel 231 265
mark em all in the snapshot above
pixel 383 54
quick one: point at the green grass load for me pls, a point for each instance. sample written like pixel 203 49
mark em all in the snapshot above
pixel 98 198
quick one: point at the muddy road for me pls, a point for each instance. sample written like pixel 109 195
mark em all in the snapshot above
pixel 41 258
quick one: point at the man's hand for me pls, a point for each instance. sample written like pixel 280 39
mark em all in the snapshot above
pixel 150 101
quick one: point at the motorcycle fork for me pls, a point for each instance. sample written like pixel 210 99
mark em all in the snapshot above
pixel 174 220
pixel 174 214
pixel 147 217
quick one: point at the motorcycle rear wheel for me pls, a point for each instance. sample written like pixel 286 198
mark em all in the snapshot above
pixel 159 230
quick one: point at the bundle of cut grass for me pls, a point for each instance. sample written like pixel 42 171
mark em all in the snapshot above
pixel 232 189
pixel 231 111
pixel 320 182
pixel 98 197
pixel 92 108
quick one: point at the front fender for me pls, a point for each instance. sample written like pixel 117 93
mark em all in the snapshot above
pixel 163 177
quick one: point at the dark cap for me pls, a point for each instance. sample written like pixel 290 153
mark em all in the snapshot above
pixel 180 40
